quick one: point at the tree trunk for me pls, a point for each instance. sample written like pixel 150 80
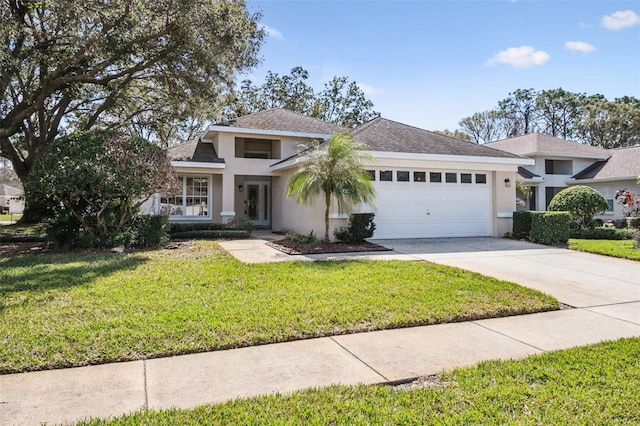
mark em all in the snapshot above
pixel 327 198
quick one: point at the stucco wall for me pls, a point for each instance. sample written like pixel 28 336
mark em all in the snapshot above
pixel 608 189
pixel 504 202
pixel 289 215
pixel 554 180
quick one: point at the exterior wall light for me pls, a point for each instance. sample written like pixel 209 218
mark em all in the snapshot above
pixel 507 182
pixel 240 188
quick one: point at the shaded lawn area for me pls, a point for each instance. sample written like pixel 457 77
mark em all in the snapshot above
pixel 594 385
pixel 614 248
pixel 71 309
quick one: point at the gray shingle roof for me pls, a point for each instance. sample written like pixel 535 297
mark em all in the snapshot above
pixel 194 150
pixel 526 174
pixel 381 134
pixel 623 163
pixel 540 143
pixel 283 120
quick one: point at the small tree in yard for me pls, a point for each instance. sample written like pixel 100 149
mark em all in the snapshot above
pixel 332 169
pixel 582 202
pixel 93 183
pixel 629 202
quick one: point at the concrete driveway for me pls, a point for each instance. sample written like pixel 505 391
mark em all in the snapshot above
pixel 576 279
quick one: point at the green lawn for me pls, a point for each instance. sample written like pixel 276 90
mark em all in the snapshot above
pixel 615 248
pixel 70 309
pixel 10 217
pixel 593 385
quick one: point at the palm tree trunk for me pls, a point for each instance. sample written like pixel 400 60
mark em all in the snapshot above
pixel 327 199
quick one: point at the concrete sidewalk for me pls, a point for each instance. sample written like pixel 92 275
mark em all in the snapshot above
pixel 606 291
pixel 69 395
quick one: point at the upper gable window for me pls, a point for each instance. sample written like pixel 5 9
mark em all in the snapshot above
pixel 558 167
pixel 257 148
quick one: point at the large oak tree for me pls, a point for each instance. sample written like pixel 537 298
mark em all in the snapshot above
pixel 151 68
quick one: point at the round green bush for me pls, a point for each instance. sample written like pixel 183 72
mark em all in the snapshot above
pixel 582 202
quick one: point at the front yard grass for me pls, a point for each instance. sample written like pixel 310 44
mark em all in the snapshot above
pixel 592 385
pixel 615 248
pixel 71 309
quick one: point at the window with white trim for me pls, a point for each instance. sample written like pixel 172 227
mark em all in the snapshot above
pixel 608 193
pixel 193 201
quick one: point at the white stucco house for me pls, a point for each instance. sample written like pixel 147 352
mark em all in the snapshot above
pixel 11 201
pixel 427 184
pixel 560 163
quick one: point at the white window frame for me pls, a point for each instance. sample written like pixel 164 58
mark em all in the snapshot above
pixel 183 183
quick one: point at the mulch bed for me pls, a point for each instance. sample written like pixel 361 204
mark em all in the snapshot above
pixel 22 248
pixel 289 246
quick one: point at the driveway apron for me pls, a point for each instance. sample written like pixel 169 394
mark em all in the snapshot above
pixel 581 280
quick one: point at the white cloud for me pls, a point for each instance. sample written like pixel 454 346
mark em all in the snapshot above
pixel 519 57
pixel 580 46
pixel 620 19
pixel 272 32
pixel 369 90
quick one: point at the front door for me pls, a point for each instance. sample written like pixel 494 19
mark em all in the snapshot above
pixel 257 203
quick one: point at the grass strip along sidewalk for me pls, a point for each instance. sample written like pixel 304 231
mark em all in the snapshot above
pixel 594 385
pixel 72 309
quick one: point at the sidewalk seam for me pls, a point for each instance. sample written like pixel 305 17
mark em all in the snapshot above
pixel 509 337
pixel 589 309
pixel 359 359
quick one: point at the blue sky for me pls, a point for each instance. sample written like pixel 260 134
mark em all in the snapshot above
pixel 431 63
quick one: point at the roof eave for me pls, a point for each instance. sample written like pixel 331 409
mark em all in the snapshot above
pixel 598 180
pixel 566 155
pixel 520 161
pixel 211 130
pixel 197 164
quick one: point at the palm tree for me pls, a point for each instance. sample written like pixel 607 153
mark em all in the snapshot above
pixel 333 169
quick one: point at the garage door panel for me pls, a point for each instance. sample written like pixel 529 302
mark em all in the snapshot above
pixel 425 210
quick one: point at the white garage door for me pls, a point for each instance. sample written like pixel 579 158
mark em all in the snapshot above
pixel 426 209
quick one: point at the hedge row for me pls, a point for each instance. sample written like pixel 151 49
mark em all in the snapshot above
pixel 212 234
pixel 549 228
pixel 602 234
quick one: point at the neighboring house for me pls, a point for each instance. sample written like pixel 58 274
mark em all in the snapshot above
pixel 560 163
pixel 427 185
pixel 11 201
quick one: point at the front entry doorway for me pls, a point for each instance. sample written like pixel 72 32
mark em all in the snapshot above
pixel 258 203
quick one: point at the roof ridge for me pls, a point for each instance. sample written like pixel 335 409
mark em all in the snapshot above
pixel 366 124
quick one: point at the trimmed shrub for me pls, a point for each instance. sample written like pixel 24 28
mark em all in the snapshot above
pixel 211 234
pixel 240 224
pixel 144 231
pixel 633 222
pixel 582 202
pixel 550 228
pixel 195 226
pixel 602 234
pixel 361 226
pixel 140 231
pixel 521 224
